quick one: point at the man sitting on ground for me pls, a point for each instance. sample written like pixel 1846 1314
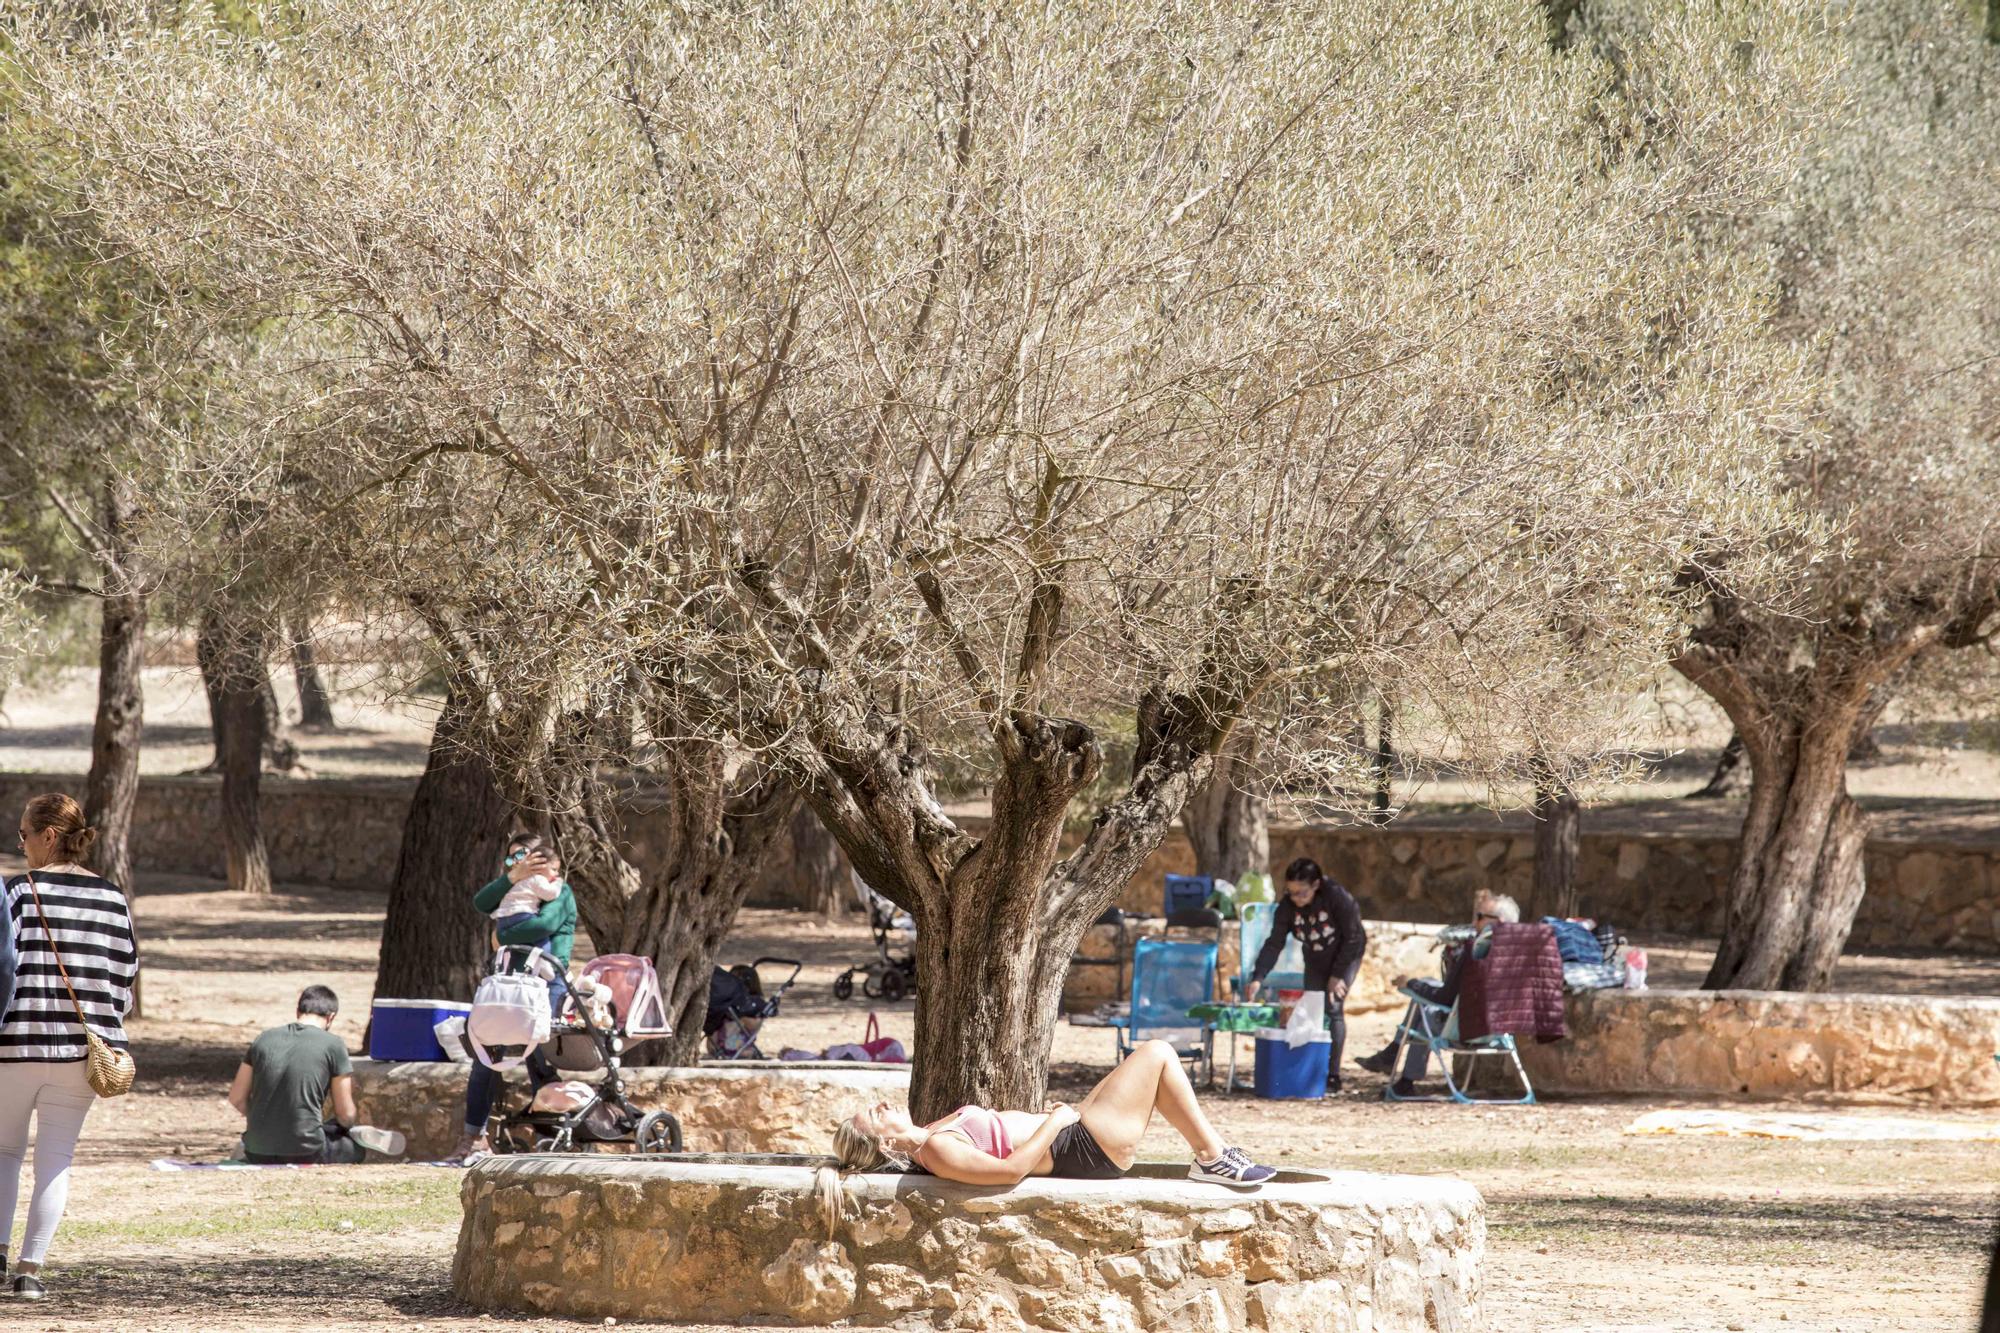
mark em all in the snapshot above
pixel 1488 909
pixel 281 1090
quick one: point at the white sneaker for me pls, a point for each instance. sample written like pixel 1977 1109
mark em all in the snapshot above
pixel 1234 1168
pixel 387 1142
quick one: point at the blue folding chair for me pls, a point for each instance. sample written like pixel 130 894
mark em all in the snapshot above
pixel 1188 893
pixel 1254 923
pixel 1169 977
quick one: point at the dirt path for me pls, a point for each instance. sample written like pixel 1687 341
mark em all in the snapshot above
pixel 1588 1228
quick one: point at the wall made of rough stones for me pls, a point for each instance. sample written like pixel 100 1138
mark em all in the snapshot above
pixel 754 1107
pixel 1661 869
pixel 1892 1049
pixel 727 1242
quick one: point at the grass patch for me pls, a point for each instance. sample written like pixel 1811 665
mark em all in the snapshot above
pixel 377 1206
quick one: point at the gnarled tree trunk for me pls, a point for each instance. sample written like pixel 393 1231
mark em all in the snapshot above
pixel 112 788
pixel 1227 818
pixel 433 942
pixel 1799 878
pixel 999 917
pixel 680 915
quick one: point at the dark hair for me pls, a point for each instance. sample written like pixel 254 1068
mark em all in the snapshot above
pixel 54 810
pixel 1305 870
pixel 319 1001
pixel 524 842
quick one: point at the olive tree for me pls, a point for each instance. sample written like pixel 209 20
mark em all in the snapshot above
pixel 864 382
pixel 1887 255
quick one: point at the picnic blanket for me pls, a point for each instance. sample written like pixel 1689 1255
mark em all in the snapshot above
pixel 230 1164
pixel 1814 1126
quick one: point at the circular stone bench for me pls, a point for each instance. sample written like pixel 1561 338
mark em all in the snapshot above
pixel 1933 1051
pixel 747 1106
pixel 713 1239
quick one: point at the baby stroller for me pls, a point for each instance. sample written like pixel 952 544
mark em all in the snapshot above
pixel 616 1000
pixel 893 975
pixel 738 1004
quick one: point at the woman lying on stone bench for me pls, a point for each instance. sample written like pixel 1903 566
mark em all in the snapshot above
pixel 1094 1141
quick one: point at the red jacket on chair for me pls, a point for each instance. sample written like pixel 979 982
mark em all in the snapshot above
pixel 1517 987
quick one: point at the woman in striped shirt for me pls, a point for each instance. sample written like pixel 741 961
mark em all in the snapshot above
pixel 42 1071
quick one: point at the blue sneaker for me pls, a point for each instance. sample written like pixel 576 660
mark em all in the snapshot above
pixel 1234 1168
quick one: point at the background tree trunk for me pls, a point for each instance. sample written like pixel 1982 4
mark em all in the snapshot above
pixel 1385 759
pixel 434 944
pixel 1557 825
pixel 819 866
pixel 1732 773
pixel 212 655
pixel 112 788
pixel 1227 819
pixel 238 688
pixel 315 703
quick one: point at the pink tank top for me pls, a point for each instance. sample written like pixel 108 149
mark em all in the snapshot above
pixel 986 1130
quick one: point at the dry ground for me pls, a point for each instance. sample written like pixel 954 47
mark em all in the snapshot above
pixel 1588 1228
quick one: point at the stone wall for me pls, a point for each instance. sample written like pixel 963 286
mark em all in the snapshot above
pixel 1894 1049
pixel 752 1106
pixel 1659 866
pixel 729 1242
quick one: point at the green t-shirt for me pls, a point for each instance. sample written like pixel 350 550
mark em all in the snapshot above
pixel 291 1069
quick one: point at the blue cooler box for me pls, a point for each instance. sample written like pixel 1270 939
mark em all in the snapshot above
pixel 401 1029
pixel 1292 1073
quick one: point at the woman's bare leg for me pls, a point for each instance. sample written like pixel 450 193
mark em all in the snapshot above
pixel 1118 1109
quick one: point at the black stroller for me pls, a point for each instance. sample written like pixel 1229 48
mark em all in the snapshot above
pixel 894 974
pixel 738 1004
pixel 617 1001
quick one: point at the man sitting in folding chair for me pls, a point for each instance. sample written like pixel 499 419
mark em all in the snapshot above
pixel 1506 983
pixel 1488 909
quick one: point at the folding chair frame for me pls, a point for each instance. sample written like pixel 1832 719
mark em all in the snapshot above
pixel 1436 1029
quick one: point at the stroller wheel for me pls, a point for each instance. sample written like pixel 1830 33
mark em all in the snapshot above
pixel 843 986
pixel 893 986
pixel 870 987
pixel 658 1132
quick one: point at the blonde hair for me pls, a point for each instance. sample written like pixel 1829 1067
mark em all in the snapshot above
pixel 854 1149
pixel 54 810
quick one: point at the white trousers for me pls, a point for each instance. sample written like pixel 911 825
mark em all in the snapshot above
pixel 58 1096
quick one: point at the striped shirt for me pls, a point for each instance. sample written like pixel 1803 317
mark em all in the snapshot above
pixel 93 929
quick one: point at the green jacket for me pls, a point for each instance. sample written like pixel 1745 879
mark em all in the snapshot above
pixel 557 920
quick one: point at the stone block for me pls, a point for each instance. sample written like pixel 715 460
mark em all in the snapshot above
pixel 1883 1049
pixel 1300 1307
pixel 812 1283
pixel 715 1241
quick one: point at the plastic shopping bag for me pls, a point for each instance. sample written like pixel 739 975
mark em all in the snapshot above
pixel 1308 1019
pixel 1635 969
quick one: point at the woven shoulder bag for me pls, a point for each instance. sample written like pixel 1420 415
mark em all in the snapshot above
pixel 109 1069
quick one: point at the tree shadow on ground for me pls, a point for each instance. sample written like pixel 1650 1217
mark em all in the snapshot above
pixel 1895 1224
pixel 282 1290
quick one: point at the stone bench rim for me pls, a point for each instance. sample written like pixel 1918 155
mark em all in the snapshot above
pixel 1798 999
pixel 1173 1193
pixel 850 1075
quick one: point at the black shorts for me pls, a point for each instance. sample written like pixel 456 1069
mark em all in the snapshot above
pixel 1075 1154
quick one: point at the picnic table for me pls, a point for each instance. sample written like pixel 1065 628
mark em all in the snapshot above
pixel 1234 1019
